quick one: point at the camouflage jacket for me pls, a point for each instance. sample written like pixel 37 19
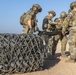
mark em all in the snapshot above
pixel 59 23
pixel 47 24
pixel 70 21
pixel 30 15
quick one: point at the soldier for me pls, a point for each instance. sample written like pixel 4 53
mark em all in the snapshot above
pixel 47 26
pixel 70 22
pixel 60 37
pixel 28 19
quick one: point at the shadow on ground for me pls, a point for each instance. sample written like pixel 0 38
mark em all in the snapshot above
pixel 51 63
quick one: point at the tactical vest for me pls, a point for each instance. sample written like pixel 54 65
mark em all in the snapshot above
pixel 26 16
pixel 47 25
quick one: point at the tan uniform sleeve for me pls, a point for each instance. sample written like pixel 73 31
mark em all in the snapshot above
pixel 66 22
pixel 29 17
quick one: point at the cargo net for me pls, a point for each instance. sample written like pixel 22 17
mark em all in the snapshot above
pixel 21 53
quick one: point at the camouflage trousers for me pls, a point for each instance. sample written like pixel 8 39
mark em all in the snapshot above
pixel 63 40
pixel 50 44
pixel 25 29
pixel 72 45
pixel 48 41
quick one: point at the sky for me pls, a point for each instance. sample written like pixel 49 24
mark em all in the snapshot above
pixel 11 10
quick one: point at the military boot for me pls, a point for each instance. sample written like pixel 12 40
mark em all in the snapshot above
pixel 64 55
pixel 70 61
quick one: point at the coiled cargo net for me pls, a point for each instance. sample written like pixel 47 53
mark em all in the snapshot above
pixel 21 53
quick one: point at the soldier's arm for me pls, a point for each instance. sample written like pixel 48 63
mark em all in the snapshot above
pixel 66 23
pixel 29 20
pixel 30 23
pixel 45 23
pixel 67 20
pixel 53 23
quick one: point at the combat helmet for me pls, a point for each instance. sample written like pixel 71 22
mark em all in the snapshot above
pixel 63 14
pixel 52 12
pixel 72 4
pixel 38 7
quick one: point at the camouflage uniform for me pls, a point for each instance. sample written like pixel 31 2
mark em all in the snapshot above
pixel 47 22
pixel 31 15
pixel 70 21
pixel 60 37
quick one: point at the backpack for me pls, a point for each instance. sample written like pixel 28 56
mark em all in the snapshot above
pixel 22 17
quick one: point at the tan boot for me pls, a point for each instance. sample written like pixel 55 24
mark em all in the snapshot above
pixel 70 61
pixel 64 55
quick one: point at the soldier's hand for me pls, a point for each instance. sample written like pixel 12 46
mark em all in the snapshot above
pixel 63 32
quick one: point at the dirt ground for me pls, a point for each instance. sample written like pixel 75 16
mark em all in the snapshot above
pixel 57 66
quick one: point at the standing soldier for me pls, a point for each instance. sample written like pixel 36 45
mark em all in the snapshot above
pixel 70 21
pixel 28 19
pixel 47 27
pixel 60 37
